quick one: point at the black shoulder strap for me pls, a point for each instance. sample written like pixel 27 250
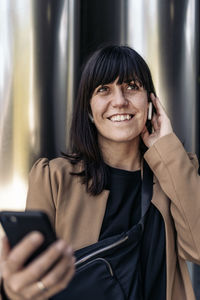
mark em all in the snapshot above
pixel 147 190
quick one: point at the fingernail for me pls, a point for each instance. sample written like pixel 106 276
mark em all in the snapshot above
pixel 36 236
pixel 69 251
pixel 73 259
pixel 60 245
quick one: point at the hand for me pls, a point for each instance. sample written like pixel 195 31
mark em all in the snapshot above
pixel 54 267
pixel 160 122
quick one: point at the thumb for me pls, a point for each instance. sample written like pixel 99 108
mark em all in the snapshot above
pixel 145 136
pixel 144 133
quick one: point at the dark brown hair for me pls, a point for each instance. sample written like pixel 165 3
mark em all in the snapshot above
pixel 103 67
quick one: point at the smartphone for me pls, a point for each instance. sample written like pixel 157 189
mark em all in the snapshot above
pixel 18 224
pixel 151 111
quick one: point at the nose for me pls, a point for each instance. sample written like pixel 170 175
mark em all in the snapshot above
pixel 118 97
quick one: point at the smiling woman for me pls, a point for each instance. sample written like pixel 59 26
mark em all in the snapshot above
pixel 119 112
pixel 121 197
pixel 116 84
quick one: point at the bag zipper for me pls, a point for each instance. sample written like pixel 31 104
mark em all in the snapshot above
pixel 98 259
pixel 87 257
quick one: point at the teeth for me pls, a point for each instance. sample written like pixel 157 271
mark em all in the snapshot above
pixel 119 118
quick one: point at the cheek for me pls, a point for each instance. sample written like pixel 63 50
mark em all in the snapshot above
pixel 145 113
pixel 146 110
pixel 94 108
pixel 143 108
pixel 97 108
pixel 142 105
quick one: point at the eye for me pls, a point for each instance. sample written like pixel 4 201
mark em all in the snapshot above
pixel 102 89
pixel 132 86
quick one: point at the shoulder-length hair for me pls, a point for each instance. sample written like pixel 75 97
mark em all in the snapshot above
pixel 103 67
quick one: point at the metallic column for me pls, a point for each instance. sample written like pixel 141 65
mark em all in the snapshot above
pixel 166 34
pixel 19 122
pixel 66 60
pixel 37 71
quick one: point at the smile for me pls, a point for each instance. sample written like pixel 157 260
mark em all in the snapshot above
pixel 120 118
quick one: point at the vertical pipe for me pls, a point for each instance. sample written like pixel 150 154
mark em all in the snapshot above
pixel 18 122
pixel 37 71
pixel 101 22
pixel 65 70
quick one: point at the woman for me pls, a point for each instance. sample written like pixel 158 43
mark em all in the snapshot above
pixel 96 192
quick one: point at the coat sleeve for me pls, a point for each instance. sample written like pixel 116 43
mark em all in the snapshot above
pixel 41 195
pixel 41 189
pixel 177 173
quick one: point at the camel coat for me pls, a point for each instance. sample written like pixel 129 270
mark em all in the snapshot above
pixel 77 216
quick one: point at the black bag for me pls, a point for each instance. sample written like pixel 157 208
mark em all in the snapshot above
pixel 109 269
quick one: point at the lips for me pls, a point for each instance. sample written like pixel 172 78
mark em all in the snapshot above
pixel 120 117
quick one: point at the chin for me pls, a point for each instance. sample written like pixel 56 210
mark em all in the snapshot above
pixel 119 136
pixel 122 139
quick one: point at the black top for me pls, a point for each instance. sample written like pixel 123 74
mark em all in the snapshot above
pixel 122 212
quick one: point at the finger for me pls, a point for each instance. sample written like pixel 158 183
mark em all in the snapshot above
pixel 144 131
pixel 63 266
pixel 5 248
pixel 160 110
pixel 36 269
pixel 145 134
pixel 21 252
pixel 63 283
pixel 154 123
pixel 53 278
pixel 154 101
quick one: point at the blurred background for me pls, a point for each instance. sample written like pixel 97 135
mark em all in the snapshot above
pixel 43 45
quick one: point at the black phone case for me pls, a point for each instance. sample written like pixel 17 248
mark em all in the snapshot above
pixel 18 224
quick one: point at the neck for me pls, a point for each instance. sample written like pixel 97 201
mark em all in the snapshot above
pixel 124 156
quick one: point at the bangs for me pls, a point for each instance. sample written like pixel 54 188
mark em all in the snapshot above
pixel 118 62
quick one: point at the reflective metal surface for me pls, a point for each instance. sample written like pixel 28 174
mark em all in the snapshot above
pixel 66 59
pixel 18 124
pixel 37 52
pixel 166 34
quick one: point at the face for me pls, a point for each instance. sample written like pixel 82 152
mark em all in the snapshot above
pixel 119 111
